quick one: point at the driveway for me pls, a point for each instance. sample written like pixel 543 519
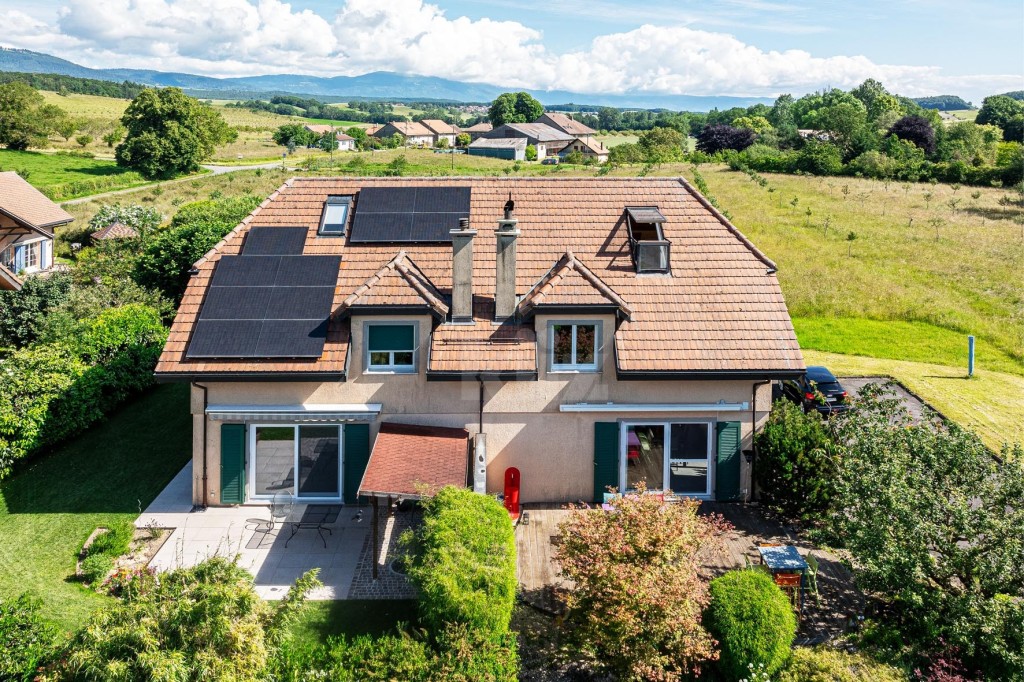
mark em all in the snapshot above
pixel 913 404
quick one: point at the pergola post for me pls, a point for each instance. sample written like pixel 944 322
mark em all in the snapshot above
pixel 376 539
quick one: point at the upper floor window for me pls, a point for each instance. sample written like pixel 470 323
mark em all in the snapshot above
pixel 332 222
pixel 391 347
pixel 647 243
pixel 574 346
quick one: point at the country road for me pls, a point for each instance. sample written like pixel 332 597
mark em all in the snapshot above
pixel 214 170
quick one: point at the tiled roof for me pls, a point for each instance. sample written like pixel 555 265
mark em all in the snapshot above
pixel 570 283
pixel 537 131
pixel 566 124
pixel 593 146
pixel 8 280
pixel 342 137
pixel 29 206
pixel 399 282
pixel 115 230
pixel 483 347
pixel 482 127
pixel 439 127
pixel 499 143
pixel 319 129
pixel 408 128
pixel 720 308
pixel 414 461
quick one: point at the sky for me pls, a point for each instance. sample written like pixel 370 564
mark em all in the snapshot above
pixel 744 48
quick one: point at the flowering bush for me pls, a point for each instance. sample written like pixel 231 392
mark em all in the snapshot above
pixel 638 593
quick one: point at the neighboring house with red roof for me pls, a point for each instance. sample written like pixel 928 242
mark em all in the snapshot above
pixel 478 130
pixel 546 140
pixel 588 147
pixel 415 133
pixel 440 129
pixel 27 222
pixel 567 124
pixel 383 336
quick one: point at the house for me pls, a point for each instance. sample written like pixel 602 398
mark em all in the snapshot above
pixel 346 143
pixel 318 129
pixel 546 139
pixel 415 133
pixel 27 222
pixel 588 147
pixel 589 332
pixel 440 130
pixel 478 130
pixel 115 230
pixel 567 125
pixel 511 148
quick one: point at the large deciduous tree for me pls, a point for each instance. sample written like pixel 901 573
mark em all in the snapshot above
pixel 999 110
pixel 916 129
pixel 716 138
pixel 514 107
pixel 638 595
pixel 25 118
pixel 169 133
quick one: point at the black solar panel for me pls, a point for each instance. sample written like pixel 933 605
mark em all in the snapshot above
pixel 241 271
pixel 236 303
pixel 408 214
pixel 300 303
pixel 274 241
pixel 224 339
pixel 291 339
pixel 314 271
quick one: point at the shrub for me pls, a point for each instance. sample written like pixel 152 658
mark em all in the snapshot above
pixel 796 465
pixel 824 664
pixel 752 620
pixel 820 158
pixel 26 639
pixel 23 313
pixel 463 562
pixel 115 542
pixel 531 152
pixel 467 655
pixel 638 593
pixel 96 567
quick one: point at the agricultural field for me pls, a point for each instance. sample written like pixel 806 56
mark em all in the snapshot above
pixel 616 139
pixel 62 176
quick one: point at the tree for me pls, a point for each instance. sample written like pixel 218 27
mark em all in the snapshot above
pixel 999 110
pixel 638 593
pixel 169 133
pixel 23 313
pixel 1013 131
pixel 716 138
pixel 758 124
pixel 114 136
pixel 514 107
pixel 574 157
pixel 296 134
pixel 84 140
pixel 662 145
pixel 463 139
pixel 531 152
pixel 915 129
pixel 66 127
pixel 442 143
pixel 328 142
pixel 609 118
pixel 936 524
pixel 25 118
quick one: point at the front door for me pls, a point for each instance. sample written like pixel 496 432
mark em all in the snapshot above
pixel 299 460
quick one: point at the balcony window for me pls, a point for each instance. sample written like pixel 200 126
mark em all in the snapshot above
pixel 650 250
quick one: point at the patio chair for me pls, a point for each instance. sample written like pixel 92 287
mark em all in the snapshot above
pixel 812 577
pixel 280 507
pixel 791 584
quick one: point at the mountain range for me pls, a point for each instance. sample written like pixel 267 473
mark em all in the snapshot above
pixel 375 85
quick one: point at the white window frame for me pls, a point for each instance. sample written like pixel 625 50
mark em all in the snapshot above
pixel 575 367
pixel 251 461
pixel 668 459
pixel 29 246
pixel 338 200
pixel 391 368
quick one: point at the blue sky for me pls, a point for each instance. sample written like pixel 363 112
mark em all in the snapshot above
pixel 731 47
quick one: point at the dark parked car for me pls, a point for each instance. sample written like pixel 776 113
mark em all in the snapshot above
pixel 819 390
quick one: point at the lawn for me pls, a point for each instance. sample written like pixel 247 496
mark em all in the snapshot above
pixel 319 620
pixel 991 403
pixel 112 472
pixel 62 176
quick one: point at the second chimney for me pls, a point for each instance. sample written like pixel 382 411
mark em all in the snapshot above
pixel 462 272
pixel 505 265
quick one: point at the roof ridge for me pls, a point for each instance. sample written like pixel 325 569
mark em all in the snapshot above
pixel 409 272
pixel 550 280
pixel 728 224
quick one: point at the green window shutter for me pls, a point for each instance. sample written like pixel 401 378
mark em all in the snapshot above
pixel 232 463
pixel 357 454
pixel 727 467
pixel 606 458
pixel 391 337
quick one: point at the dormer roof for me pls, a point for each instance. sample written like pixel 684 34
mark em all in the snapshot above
pixel 568 284
pixel 398 283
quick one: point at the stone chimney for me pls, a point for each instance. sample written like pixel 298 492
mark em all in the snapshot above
pixel 462 272
pixel 505 265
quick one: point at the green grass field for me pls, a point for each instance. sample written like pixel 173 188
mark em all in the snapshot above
pixel 111 472
pixel 62 176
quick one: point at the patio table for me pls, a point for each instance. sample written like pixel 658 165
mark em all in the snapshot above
pixel 315 517
pixel 784 561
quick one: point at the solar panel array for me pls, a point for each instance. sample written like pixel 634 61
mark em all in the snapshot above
pixel 269 302
pixel 408 214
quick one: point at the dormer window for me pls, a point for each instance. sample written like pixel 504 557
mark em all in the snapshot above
pixel 647 243
pixel 332 222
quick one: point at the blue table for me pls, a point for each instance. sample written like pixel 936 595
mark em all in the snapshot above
pixel 783 559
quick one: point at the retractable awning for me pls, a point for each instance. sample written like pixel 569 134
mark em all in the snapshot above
pixel 410 461
pixel 295 413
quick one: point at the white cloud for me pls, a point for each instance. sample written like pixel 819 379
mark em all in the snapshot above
pixel 239 37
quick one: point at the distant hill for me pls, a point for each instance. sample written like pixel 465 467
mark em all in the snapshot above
pixel 1015 94
pixel 376 85
pixel 944 103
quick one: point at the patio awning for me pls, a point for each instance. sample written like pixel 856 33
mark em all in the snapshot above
pixel 294 413
pixel 411 461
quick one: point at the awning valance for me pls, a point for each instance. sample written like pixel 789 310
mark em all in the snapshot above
pixel 315 412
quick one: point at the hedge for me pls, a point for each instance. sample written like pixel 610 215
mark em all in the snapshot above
pixel 26 639
pixel 823 664
pixel 55 391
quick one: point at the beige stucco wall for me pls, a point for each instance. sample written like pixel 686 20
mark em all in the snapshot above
pixel 522 422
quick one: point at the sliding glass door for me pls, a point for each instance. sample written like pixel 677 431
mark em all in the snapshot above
pixel 667 456
pixel 303 461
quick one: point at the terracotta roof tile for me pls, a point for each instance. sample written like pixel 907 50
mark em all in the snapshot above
pixel 570 282
pixel 413 461
pixel 115 230
pixel 398 282
pixel 29 206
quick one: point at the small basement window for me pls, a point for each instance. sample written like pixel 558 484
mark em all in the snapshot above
pixel 650 250
pixel 332 222
pixel 574 347
pixel 391 348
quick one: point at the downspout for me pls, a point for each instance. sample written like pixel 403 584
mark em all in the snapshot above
pixel 753 432
pixel 206 492
pixel 480 378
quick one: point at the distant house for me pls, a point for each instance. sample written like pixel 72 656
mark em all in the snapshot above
pixel 511 148
pixel 440 129
pixel 115 230
pixel 589 148
pixel 478 130
pixel 819 135
pixel 567 124
pixel 27 221
pixel 346 143
pixel 318 129
pixel 415 133
pixel 546 139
